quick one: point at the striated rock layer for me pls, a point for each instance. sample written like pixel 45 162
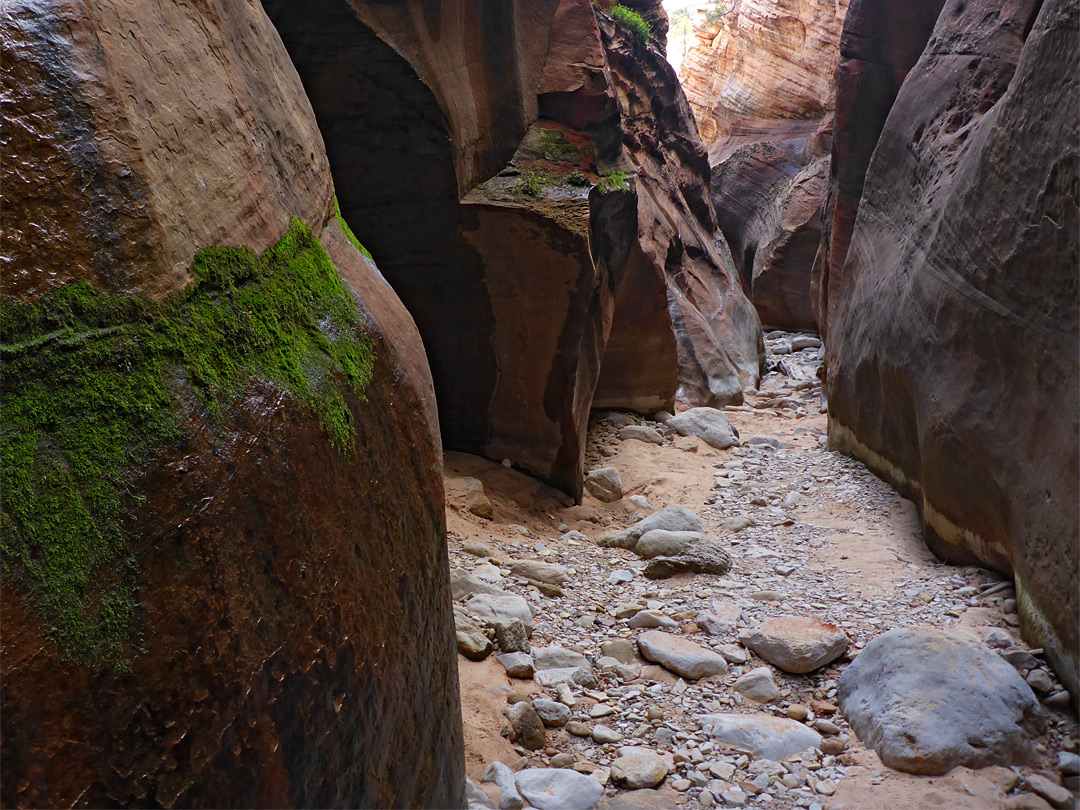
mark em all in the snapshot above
pixel 954 324
pixel 290 640
pixel 761 66
pixel 768 198
pixel 760 83
pixel 678 246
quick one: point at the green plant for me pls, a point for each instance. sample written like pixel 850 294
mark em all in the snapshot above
pixel 613 181
pixel 532 184
pixel 577 179
pixel 633 22
pixel 348 231
pixel 90 395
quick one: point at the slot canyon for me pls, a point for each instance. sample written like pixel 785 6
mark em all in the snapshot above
pixel 556 404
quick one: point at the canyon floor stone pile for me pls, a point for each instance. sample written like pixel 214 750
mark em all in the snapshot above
pixel 825 558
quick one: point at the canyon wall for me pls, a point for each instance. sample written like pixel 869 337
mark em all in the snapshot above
pixel 225 573
pixel 953 317
pixel 760 83
pixel 490 242
pixel 717 333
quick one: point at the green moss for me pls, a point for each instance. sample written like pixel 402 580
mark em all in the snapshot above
pixel 348 231
pixel 613 181
pixel 633 22
pixel 555 146
pixel 89 395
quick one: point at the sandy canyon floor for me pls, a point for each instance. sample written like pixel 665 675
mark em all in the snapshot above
pixel 829 540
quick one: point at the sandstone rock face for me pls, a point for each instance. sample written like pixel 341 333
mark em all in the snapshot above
pixel 952 340
pixel 428 159
pixel 760 83
pixel 768 197
pixel 761 65
pixel 290 640
pixel 880 43
pixel 928 702
pixel 673 276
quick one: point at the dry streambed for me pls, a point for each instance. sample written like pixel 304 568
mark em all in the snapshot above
pixel 724 688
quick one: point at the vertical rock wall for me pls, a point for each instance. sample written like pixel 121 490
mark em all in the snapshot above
pixel 717 332
pixel 291 640
pixel 760 82
pixel 953 324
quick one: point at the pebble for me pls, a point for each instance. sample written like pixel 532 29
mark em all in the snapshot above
pixel 603 734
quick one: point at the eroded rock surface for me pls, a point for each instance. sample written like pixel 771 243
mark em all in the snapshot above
pixel 928 701
pixel 291 641
pixel 943 306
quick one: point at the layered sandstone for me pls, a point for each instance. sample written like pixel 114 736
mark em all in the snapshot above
pixel 953 325
pixel 760 82
pixel 760 66
pixel 678 246
pixel 768 199
pixel 291 640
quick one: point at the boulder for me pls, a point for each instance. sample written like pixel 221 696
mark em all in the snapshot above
pixel 471 641
pixel 759 684
pixel 559 658
pixel 511 636
pixel 506 781
pixel 476 501
pixel 463 585
pixel 796 644
pixel 708 424
pixel 527 728
pixel 559 789
pixel 681 656
pixel 927 701
pixel 940 412
pixel 551 573
pixel 517 664
pixel 604 484
pixel 503 607
pixel 699 558
pixel 762 735
pixel 643 433
pixel 552 713
pixel 661 542
pixel 648 619
pixel 671 518
pixel 639 770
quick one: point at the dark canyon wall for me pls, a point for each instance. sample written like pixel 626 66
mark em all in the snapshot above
pixel 464 137
pixel 224 562
pixel 953 313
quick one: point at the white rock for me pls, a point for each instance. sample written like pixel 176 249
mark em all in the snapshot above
pixel 504 779
pixel 762 735
pixel 559 789
pixel 503 607
pixel 758 684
